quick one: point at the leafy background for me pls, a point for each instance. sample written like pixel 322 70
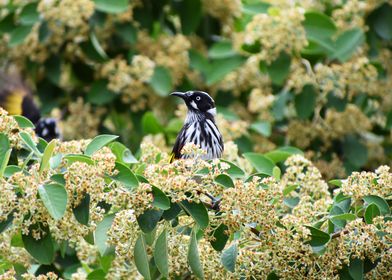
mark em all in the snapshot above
pixel 315 75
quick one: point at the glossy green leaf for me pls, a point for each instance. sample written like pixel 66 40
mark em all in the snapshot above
pixel 141 257
pixel 279 69
pixel 10 170
pixel 150 124
pixel 99 93
pixel 234 171
pixel 336 182
pixel 71 158
pixel 161 201
pixel 282 153
pixel 54 197
pixel 172 212
pixel 224 180
pixel 229 257
pixel 194 258
pixel 122 153
pixel 47 155
pixel 190 12
pixel 380 202
pixel 371 212
pixel 356 268
pixel 29 143
pixel 23 122
pixel 254 7
pixel 100 235
pixel 18 35
pixel 112 6
pixel 97 274
pixel 128 32
pixel 5 153
pixel 305 102
pixel 29 14
pixel 318 237
pixel 198 212
pixel 318 25
pixel 287 190
pixel 347 44
pixel 220 238
pixel 261 163
pixel 381 20
pixel 149 220
pixel 42 249
pixel 354 151
pixel 221 49
pixel 262 127
pixel 82 210
pixel 219 68
pixel 125 176
pixel 99 142
pixel 161 81
pixel 161 254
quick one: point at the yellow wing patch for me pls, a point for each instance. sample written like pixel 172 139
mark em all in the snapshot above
pixel 172 158
pixel 13 102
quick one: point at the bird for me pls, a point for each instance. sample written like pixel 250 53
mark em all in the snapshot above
pixel 17 99
pixel 199 127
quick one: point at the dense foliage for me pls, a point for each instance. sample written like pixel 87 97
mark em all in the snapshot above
pixel 316 75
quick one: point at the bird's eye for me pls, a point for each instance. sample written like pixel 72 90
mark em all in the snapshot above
pixel 198 98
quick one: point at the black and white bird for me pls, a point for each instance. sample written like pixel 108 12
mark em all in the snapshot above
pixel 17 99
pixel 199 126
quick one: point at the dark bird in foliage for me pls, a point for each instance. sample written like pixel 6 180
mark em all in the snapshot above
pixel 199 127
pixel 17 99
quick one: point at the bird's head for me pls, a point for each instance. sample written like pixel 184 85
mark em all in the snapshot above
pixel 198 101
pixel 47 128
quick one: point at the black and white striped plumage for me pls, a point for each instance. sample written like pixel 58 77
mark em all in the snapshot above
pixel 199 127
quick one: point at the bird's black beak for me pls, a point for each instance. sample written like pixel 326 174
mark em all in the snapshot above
pixel 179 94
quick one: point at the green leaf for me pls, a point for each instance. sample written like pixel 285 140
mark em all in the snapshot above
pixel 161 201
pixel 5 153
pixel 10 170
pixel 221 49
pixel 254 8
pixel 381 21
pixel 356 269
pixel 97 274
pixel 99 142
pixel 82 211
pixel 161 81
pixel 234 171
pixel 229 257
pixel 122 153
pixel 54 197
pixel 279 69
pixel 305 102
pixel 161 255
pixel 197 61
pixel 29 14
pixel 289 189
pixel 149 220
pixel 112 6
pixel 261 163
pixel 150 124
pixel 371 212
pixel 224 180
pixel 7 23
pixel 18 35
pixel 190 12
pixel 336 182
pixel 380 202
pixel 28 141
pixel 141 257
pixel 42 249
pixel 99 93
pixel 282 153
pixel 354 151
pixel 347 44
pixel 220 238
pixel 276 173
pixel 171 213
pixel 335 219
pixel 291 201
pixel 128 32
pixel 318 25
pixel 71 158
pixel 47 155
pixel 198 212
pixel 194 258
pixel 100 235
pixel 93 49
pixel 219 68
pixel 318 237
pixel 23 122
pixel 125 176
pixel 262 127
pixel 4 224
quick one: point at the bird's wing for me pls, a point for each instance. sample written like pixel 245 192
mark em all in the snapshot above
pixel 179 144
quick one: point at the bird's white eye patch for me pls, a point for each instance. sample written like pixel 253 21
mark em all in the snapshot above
pixel 194 105
pixel 45 132
pixel 198 98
